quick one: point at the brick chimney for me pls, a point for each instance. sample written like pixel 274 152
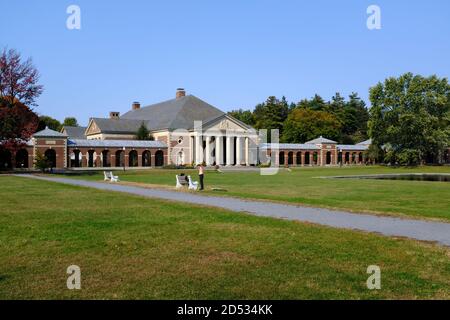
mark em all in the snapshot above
pixel 180 93
pixel 114 115
pixel 135 106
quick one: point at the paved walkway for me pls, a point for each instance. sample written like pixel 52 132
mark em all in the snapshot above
pixel 416 229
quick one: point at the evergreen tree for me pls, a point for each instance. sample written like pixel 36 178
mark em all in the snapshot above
pixel 271 114
pixel 246 116
pixel 143 133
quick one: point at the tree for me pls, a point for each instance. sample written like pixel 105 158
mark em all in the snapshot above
pixel 306 124
pixel 41 162
pixel 374 153
pixel 51 123
pixel 411 115
pixel 18 90
pixel 316 103
pixel 360 114
pixel 246 116
pixel 18 80
pixel 17 123
pixel 271 114
pixel 70 122
pixel 143 133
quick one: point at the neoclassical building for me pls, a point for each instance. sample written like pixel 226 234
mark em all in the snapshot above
pixel 191 130
pixel 186 131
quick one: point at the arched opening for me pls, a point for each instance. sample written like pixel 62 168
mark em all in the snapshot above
pixel 328 158
pixel 105 159
pixel 299 158
pixel 50 154
pixel 281 158
pixel 91 158
pixel 22 159
pixel 360 157
pixel 159 158
pixel 120 158
pixel 347 157
pixel 146 159
pixel 5 160
pixel 315 158
pixel 290 158
pixel 339 158
pixel 307 156
pixel 75 159
pixel 353 157
pixel 133 158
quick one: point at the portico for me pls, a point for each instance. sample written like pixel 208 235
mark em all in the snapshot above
pixel 223 149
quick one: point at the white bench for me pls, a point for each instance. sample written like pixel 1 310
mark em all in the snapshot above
pixel 182 181
pixel 110 177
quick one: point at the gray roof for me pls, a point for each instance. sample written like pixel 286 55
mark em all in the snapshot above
pixel 352 147
pixel 115 143
pixel 49 133
pixel 174 114
pixel 366 143
pixel 292 146
pixel 321 140
pixel 107 125
pixel 75 132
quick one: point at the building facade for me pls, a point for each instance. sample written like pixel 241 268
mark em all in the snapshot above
pixel 192 131
pixel 186 131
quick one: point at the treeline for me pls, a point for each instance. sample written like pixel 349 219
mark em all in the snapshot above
pixel 54 124
pixel 408 121
pixel 340 119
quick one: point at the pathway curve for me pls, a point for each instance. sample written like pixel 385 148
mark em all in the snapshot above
pixel 416 229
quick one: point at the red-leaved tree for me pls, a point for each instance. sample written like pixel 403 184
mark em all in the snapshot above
pixel 19 90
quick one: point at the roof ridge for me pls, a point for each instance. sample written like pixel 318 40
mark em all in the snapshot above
pixel 161 102
pixel 181 108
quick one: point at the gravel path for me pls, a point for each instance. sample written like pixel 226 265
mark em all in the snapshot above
pixel 416 229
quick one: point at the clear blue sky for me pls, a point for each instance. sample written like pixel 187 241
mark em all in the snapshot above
pixel 230 53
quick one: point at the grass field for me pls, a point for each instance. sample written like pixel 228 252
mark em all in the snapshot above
pixel 132 247
pixel 302 185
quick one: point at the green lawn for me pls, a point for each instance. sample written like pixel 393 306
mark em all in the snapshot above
pixel 399 198
pixel 133 247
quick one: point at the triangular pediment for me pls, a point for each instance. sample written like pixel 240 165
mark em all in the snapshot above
pixel 226 122
pixel 92 128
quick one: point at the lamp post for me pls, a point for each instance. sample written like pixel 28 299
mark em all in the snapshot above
pixel 123 148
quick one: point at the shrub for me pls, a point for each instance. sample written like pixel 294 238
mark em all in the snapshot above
pixel 41 162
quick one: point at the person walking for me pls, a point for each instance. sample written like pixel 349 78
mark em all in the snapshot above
pixel 201 174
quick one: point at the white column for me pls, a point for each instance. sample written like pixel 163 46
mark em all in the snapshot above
pixel 208 151
pixel 232 144
pixel 198 149
pixel 238 151
pixel 191 150
pixel 219 151
pixel 246 155
pixel 228 151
